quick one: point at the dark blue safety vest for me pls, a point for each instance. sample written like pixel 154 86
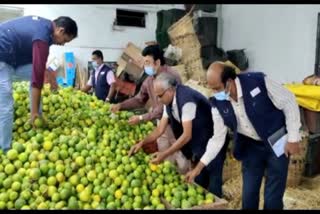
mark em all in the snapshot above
pixel 101 86
pixel 264 116
pixel 17 36
pixel 202 124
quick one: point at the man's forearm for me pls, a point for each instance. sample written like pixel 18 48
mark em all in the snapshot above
pixel 199 166
pixel 153 136
pixel 36 95
pixel 111 91
pixel 131 103
pixel 151 116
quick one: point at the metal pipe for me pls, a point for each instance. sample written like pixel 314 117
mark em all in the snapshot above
pixel 316 66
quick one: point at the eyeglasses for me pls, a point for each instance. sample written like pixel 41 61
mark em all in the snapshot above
pixel 161 95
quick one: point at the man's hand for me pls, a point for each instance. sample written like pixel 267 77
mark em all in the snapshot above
pixel 134 120
pixel 292 149
pixel 53 85
pixel 157 157
pixel 190 176
pixel 54 88
pixel 115 108
pixel 134 149
pixel 34 116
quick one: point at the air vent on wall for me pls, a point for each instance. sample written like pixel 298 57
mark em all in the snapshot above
pixel 130 18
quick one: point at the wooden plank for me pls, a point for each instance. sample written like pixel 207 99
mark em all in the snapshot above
pixel 218 204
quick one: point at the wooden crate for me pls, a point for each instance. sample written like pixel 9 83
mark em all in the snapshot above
pixel 218 204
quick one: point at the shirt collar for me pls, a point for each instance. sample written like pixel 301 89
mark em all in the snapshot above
pixel 100 67
pixel 238 87
pixel 174 102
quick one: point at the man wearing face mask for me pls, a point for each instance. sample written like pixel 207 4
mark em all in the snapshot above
pixel 265 120
pixel 24 49
pixel 101 79
pixel 154 65
pixel 189 114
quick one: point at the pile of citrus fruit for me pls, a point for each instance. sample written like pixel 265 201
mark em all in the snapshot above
pixel 77 158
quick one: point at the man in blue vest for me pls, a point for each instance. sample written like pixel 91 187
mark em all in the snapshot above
pixel 189 114
pixel 101 79
pixel 25 41
pixel 265 119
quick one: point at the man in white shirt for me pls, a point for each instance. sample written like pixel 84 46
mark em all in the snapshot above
pixel 265 119
pixel 189 114
pixel 101 79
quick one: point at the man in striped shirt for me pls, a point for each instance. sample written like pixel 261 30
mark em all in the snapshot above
pixel 265 119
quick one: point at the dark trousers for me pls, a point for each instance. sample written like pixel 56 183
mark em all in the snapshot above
pixel 211 176
pixel 259 160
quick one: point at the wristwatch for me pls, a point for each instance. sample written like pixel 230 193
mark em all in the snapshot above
pixel 140 118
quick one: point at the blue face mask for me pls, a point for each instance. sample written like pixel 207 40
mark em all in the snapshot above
pixel 222 95
pixel 94 64
pixel 149 70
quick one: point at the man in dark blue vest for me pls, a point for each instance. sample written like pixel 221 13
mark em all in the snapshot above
pixel 101 79
pixel 25 41
pixel 265 119
pixel 189 114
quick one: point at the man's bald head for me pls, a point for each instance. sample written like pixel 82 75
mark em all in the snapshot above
pixel 218 74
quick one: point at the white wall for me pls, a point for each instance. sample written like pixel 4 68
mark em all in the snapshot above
pixel 280 39
pixel 95 28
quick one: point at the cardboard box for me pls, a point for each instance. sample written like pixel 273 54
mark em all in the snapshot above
pixel 131 61
pixel 133 70
pixel 134 53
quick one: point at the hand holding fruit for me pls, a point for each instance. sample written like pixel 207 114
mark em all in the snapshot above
pixel 195 172
pixel 115 108
pixel 158 157
pixel 34 119
pixel 134 120
pixel 54 87
pixel 134 149
pixel 191 175
pixel 38 121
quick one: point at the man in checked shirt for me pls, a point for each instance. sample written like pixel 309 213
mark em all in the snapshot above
pixel 154 64
pixel 265 120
